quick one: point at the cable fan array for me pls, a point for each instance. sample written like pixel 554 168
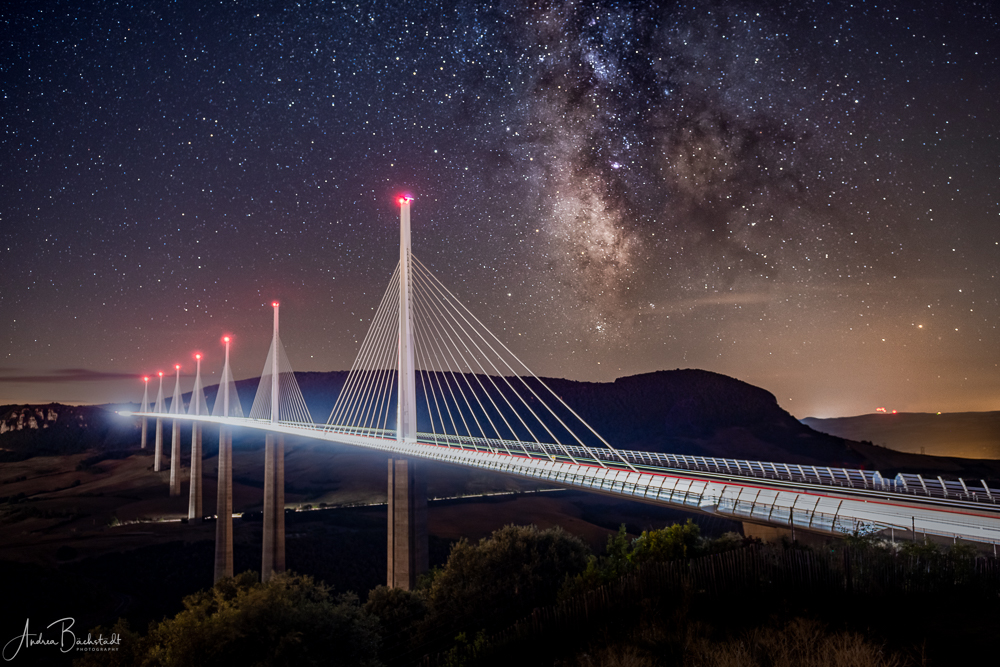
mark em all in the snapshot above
pixel 198 405
pixel 160 404
pixel 291 405
pixel 471 390
pixel 227 400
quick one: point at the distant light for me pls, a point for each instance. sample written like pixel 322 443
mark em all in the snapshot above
pixel 225 339
pixel 895 412
pixel 880 410
pixel 274 304
pixel 177 367
pixel 197 356
pixel 145 379
pixel 161 373
pixel 405 199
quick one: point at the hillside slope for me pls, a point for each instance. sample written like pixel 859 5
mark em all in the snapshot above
pixel 687 412
pixel 964 434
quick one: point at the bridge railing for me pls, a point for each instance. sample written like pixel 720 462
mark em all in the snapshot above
pixel 907 484
pixel 904 483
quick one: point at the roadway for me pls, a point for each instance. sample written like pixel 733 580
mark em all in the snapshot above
pixel 863 502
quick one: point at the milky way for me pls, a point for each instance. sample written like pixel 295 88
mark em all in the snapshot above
pixel 804 196
pixel 671 139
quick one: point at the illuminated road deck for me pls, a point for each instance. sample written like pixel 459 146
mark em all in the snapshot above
pixel 849 500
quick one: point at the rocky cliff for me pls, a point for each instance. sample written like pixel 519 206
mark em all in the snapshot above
pixel 32 417
pixel 33 430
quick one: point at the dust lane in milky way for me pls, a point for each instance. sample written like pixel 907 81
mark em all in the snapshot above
pixel 801 196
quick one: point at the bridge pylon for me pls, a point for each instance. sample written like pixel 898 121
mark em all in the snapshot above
pixel 175 441
pixel 227 404
pixel 158 442
pixel 144 408
pixel 224 508
pixel 407 493
pixel 273 555
pixel 198 407
pixel 406 401
pixel 407 538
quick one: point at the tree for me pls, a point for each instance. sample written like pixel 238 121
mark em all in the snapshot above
pixel 622 555
pixel 602 569
pixel 290 620
pixel 505 575
pixel 670 543
pixel 399 611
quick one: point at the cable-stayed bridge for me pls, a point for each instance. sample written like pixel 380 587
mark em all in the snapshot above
pixel 432 383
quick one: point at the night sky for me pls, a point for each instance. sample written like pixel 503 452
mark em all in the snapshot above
pixel 801 195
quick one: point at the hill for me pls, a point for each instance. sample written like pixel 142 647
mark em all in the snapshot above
pixel 964 434
pixel 688 412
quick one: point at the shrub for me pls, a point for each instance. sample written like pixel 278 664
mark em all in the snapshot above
pixel 398 611
pixel 290 620
pixel 670 543
pixel 505 575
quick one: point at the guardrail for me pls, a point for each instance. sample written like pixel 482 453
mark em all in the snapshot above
pixel 903 484
pixel 727 487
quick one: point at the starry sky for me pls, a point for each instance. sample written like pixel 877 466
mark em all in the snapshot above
pixel 802 195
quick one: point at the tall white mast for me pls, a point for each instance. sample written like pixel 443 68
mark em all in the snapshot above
pixel 274 368
pixel 225 381
pixel 406 410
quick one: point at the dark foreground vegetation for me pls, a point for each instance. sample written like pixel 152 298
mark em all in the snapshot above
pixel 670 597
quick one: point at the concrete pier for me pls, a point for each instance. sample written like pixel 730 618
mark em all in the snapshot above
pixel 195 512
pixel 274 506
pixel 145 427
pixel 158 446
pixel 175 460
pixel 224 508
pixel 407 538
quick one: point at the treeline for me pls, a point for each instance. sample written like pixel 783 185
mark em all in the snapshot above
pixel 756 574
pixel 55 429
pixel 667 597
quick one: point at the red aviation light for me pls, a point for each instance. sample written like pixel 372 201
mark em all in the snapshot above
pixel 177 367
pixel 161 373
pixel 405 199
pixel 145 379
pixel 197 356
pixel 225 339
pixel 274 304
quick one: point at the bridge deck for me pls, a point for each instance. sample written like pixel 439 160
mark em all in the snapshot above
pixel 835 500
